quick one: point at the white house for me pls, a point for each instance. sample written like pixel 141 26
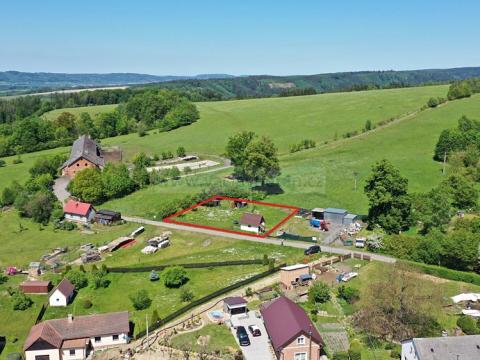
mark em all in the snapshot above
pixel 442 348
pixel 73 338
pixel 252 223
pixel 62 294
pixel 79 212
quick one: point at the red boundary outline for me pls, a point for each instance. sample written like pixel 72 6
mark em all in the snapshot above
pixel 170 219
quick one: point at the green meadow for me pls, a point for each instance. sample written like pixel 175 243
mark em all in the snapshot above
pixel 93 110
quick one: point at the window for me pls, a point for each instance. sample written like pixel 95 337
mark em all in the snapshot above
pixel 78 164
pixel 114 337
pixel 301 340
pixel 72 352
pixel 98 339
pixel 300 356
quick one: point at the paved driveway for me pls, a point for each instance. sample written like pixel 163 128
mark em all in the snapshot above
pixel 259 348
pixel 60 188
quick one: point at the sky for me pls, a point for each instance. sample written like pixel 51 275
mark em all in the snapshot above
pixel 242 37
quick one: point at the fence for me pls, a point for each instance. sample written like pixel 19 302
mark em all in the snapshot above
pixel 287 236
pixel 186 266
pixel 207 298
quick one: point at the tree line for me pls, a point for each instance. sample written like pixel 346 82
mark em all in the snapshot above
pixel 26 131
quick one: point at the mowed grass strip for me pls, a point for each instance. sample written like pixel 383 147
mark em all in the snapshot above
pixel 93 111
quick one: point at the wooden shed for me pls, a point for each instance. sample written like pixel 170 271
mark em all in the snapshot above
pixel 35 287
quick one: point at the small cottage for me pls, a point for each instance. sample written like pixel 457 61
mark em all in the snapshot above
pixel 62 294
pixel 253 223
pixel 79 212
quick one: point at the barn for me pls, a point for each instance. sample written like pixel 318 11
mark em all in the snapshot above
pixel 35 287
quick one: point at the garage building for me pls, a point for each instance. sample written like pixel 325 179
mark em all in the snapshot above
pixel 235 305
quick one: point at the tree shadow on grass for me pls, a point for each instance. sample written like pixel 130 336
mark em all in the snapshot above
pixel 269 188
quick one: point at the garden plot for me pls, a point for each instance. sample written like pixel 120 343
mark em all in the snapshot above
pixel 192 165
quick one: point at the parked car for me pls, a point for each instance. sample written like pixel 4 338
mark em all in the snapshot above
pixel 312 250
pixel 242 336
pixel 254 330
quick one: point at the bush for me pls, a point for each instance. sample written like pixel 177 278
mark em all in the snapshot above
pixel 444 273
pixel 20 301
pixel 87 304
pixel 3 279
pixel 155 318
pixel 319 292
pixel 396 354
pixel 468 325
pixel 265 259
pixel 355 351
pixel 174 277
pixel 249 292
pixel 65 225
pixel 99 280
pixel 181 152
pixel 347 293
pixel 186 295
pixel 77 278
pixel 18 160
pixel 2 163
pixel 141 300
pixel 432 102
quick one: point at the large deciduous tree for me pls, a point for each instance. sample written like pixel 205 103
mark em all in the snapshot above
pixel 398 305
pixel 389 202
pixel 88 186
pixel 261 161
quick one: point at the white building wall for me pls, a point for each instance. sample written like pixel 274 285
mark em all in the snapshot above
pixel 253 229
pixel 107 340
pixel 79 354
pixel 408 351
pixel 76 218
pixel 53 353
pixel 57 299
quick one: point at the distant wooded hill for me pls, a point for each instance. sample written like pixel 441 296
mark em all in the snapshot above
pixel 15 81
pixel 266 85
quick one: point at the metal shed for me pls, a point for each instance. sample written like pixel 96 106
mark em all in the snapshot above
pixel 350 219
pixel 335 215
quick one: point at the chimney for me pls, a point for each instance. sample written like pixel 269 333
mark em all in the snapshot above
pixel 70 318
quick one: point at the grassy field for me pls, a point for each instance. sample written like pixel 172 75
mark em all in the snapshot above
pixel 94 111
pixel 24 241
pixel 202 282
pixel 15 325
pixel 219 339
pixel 228 218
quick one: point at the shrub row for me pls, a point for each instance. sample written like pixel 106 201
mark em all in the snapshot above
pixel 445 273
pixel 207 298
pixel 186 266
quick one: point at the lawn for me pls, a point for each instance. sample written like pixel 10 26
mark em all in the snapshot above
pixel 15 325
pixel 226 217
pixel 116 297
pixel 24 241
pixel 189 247
pixel 219 338
pixel 93 110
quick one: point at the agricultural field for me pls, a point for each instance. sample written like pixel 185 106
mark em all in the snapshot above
pixel 93 110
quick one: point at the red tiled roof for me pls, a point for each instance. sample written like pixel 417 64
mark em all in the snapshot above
pixel 251 219
pixel 56 331
pixel 65 287
pixel 77 208
pixel 285 321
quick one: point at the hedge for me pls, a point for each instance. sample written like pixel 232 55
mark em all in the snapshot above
pixel 186 266
pixel 445 273
pixel 207 298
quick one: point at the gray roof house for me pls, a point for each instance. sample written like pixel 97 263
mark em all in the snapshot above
pixel 442 348
pixel 85 148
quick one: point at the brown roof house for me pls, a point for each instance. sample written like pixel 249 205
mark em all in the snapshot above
pixel 62 294
pixel 252 223
pixel 75 337
pixel 85 153
pixel 293 335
